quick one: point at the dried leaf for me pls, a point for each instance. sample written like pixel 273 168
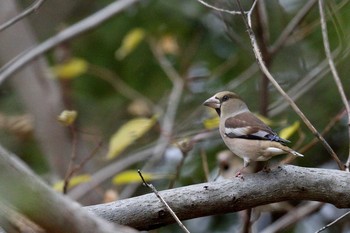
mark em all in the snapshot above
pixel 110 195
pixel 139 107
pixel 76 180
pixel 71 68
pixel 290 130
pixel 130 42
pixel 169 45
pixel 129 133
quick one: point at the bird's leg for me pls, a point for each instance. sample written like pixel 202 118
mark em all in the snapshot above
pixel 266 167
pixel 239 173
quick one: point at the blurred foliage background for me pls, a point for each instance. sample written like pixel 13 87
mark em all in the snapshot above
pixel 115 73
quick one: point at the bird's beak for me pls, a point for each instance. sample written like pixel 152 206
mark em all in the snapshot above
pixel 212 102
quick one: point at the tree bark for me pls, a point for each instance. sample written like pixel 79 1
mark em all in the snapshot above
pixel 53 212
pixel 39 92
pixel 280 184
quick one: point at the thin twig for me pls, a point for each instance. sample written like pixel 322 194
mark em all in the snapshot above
pixel 74 169
pixel 173 100
pixel 219 9
pixel 328 127
pixel 284 94
pixel 118 84
pixel 293 216
pixel 247 225
pixel 164 202
pixel 244 76
pixel 334 70
pixel 76 29
pixel 109 171
pixel 263 39
pixel 169 116
pixel 250 12
pixel 291 26
pixel 177 172
pixel 314 141
pixel 335 221
pixel 35 6
pixel 69 172
pixel 205 165
pixel 306 83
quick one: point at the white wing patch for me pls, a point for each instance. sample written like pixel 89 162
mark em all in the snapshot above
pixel 261 133
pixel 237 131
pixel 275 150
pixel 245 131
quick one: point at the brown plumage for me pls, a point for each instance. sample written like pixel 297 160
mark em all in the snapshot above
pixel 245 134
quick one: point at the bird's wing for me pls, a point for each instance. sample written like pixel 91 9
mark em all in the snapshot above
pixel 247 125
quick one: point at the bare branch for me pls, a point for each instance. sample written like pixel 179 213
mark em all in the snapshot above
pixel 35 6
pixel 291 26
pixel 335 221
pixel 173 100
pixel 284 94
pixel 73 169
pixel 118 84
pixel 280 184
pixel 219 9
pixel 109 171
pixel 334 70
pixel 48 209
pixel 155 191
pixel 250 12
pixel 70 32
pixel 168 118
pixel 293 216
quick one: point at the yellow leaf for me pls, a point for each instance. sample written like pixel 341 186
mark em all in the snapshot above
pixel 130 42
pixel 76 180
pixel 71 68
pixel 290 130
pixel 67 117
pixel 132 176
pixel 129 133
pixel 211 123
pixel 265 119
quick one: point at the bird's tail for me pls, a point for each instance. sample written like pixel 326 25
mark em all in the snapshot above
pixel 293 152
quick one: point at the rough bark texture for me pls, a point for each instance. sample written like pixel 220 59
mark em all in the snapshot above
pixel 281 184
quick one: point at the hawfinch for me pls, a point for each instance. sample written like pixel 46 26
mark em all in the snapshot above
pixel 243 133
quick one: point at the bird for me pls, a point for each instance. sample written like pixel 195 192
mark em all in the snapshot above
pixel 244 133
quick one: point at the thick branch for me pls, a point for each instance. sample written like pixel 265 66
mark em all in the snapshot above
pixel 25 192
pixel 281 184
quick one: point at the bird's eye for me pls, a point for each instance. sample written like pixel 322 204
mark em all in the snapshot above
pixel 225 98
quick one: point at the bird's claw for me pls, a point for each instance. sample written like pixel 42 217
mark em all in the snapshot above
pixel 266 169
pixel 239 175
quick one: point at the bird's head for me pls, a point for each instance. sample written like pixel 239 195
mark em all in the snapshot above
pixel 226 103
